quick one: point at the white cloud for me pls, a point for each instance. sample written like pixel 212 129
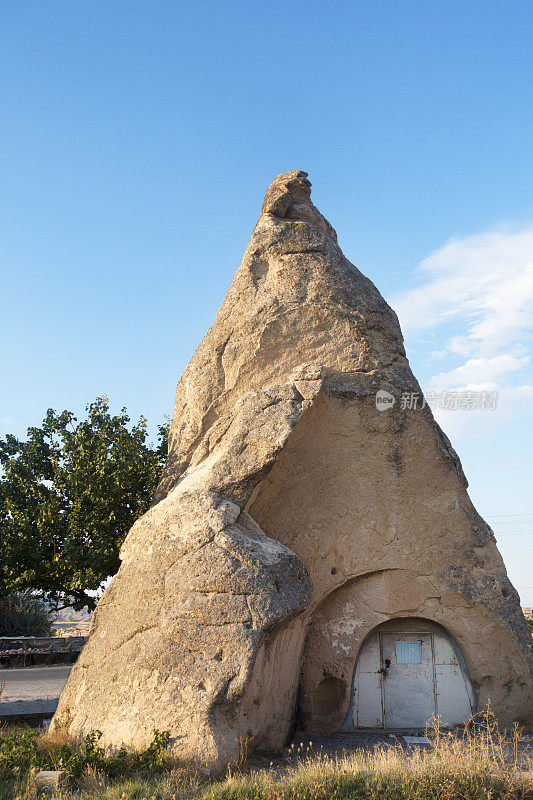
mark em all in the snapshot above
pixel 479 371
pixel 512 402
pixel 475 299
pixel 482 284
pixel 516 401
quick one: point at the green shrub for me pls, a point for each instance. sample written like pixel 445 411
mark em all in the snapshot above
pixel 24 614
pixel 20 751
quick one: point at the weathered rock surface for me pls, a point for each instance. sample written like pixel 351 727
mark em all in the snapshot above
pixel 176 635
pixel 293 517
pixel 294 301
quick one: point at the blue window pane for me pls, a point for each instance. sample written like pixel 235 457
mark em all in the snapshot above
pixel 408 652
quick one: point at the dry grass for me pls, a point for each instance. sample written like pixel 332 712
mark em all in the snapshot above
pixel 479 763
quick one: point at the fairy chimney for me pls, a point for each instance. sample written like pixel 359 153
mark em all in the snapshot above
pixel 312 559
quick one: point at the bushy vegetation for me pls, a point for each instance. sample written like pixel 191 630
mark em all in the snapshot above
pixel 69 493
pixel 23 750
pixel 24 614
pixel 475 764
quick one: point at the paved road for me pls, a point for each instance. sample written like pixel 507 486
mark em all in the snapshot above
pixel 33 683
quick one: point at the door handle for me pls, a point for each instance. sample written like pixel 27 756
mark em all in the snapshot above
pixel 385 670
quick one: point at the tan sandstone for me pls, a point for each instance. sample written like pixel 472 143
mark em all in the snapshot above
pixel 292 518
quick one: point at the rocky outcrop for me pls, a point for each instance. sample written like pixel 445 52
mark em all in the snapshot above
pixel 176 635
pixel 295 300
pixel 292 518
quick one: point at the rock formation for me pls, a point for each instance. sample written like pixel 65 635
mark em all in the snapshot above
pixel 293 518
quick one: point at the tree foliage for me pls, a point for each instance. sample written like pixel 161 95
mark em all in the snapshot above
pixel 68 496
pixel 24 614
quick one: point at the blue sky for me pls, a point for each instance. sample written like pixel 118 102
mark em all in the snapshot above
pixel 137 140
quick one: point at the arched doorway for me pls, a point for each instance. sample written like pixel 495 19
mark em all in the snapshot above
pixel 408 672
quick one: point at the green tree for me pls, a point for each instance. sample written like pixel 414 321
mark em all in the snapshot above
pixel 68 496
pixel 24 614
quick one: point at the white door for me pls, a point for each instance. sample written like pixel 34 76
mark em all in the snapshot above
pixel 406 678
pixel 367 700
pixel 456 701
pixel 409 696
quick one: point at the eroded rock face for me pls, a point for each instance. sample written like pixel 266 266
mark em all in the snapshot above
pixel 294 301
pixel 293 517
pixel 201 588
